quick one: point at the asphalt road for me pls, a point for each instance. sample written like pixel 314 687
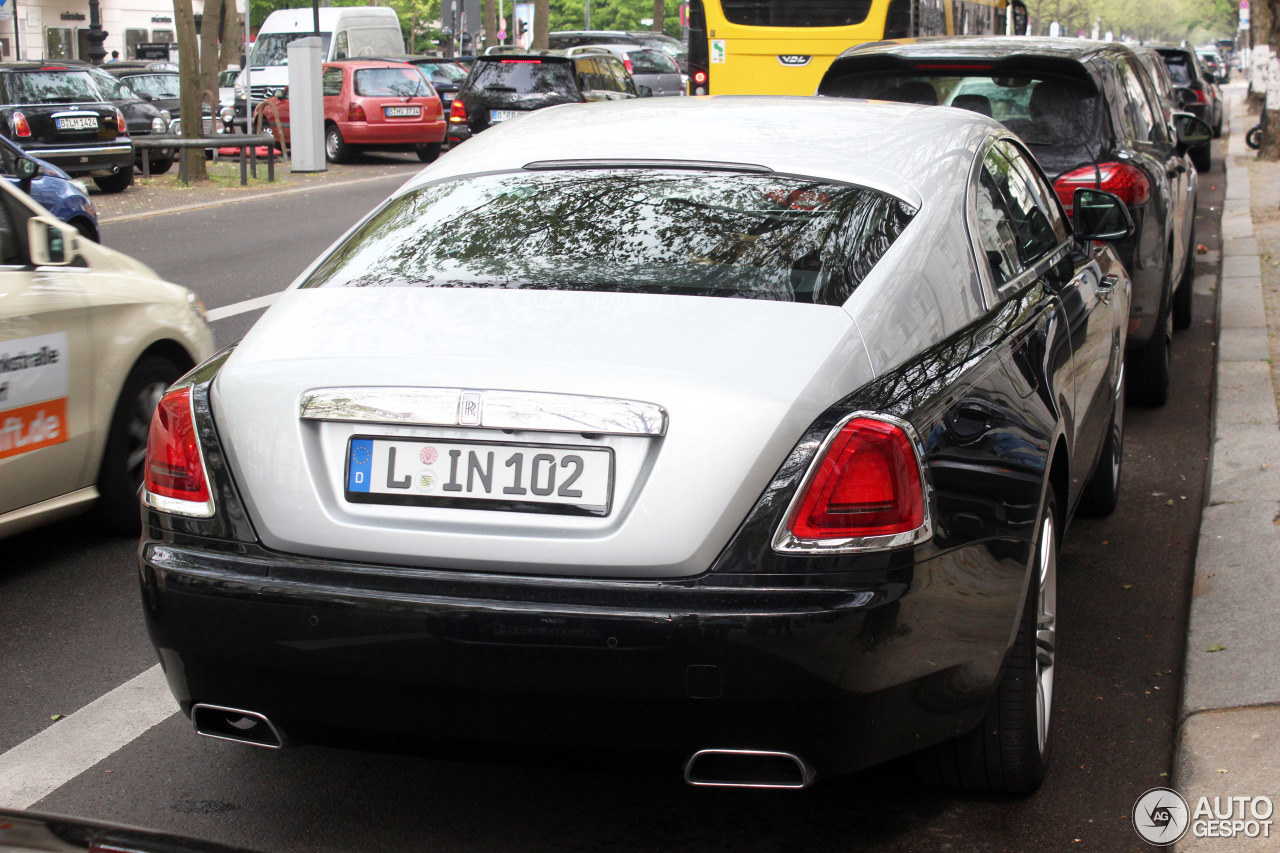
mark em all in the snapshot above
pixel 72 630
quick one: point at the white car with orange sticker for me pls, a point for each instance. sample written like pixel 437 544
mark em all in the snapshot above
pixel 89 340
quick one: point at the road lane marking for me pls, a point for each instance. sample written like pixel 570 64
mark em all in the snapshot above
pixel 41 764
pixel 215 314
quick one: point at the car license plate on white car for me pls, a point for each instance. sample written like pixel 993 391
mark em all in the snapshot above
pixel 563 479
pixel 78 123
pixel 496 116
pixel 403 112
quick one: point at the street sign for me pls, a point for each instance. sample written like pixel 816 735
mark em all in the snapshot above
pixel 1244 4
pixel 502 35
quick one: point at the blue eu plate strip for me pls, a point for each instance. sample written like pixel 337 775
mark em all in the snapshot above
pixel 360 465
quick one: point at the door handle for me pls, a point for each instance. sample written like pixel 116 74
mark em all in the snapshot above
pixel 1107 286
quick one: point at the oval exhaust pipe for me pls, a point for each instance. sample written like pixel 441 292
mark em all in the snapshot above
pixel 747 768
pixel 237 725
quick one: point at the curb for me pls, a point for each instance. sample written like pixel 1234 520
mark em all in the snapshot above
pixel 1228 739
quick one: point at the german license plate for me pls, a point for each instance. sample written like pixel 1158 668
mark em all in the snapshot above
pixel 78 123
pixel 496 116
pixel 403 112
pixel 566 479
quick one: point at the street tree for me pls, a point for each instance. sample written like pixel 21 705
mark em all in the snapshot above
pixel 1265 23
pixel 192 84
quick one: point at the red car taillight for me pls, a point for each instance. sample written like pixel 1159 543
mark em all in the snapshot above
pixel 20 126
pixel 1126 181
pixel 868 483
pixel 1201 98
pixel 355 112
pixel 457 112
pixel 626 64
pixel 174 474
pixel 121 127
pixel 700 84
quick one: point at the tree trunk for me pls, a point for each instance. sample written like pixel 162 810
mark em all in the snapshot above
pixel 1271 123
pixel 490 24
pixel 189 79
pixel 232 37
pixel 541 18
pixel 659 12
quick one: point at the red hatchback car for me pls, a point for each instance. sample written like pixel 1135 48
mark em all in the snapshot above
pixel 368 104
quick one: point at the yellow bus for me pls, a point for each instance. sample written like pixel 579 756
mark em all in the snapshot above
pixel 783 47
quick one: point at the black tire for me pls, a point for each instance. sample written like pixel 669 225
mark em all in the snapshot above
pixel 117 183
pixel 1182 296
pixel 120 474
pixel 86 229
pixel 1102 492
pixel 429 152
pixel 160 165
pixel 1200 157
pixel 1147 368
pixel 1009 752
pixel 336 149
pixel 1254 137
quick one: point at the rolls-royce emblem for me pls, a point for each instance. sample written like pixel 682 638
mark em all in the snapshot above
pixel 794 59
pixel 470 408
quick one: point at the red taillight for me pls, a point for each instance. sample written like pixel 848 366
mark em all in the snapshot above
pixel 121 127
pixel 626 64
pixel 699 77
pixel 1127 181
pixel 867 484
pixel 457 112
pixel 520 61
pixel 20 126
pixel 174 475
pixel 355 112
pixel 1200 96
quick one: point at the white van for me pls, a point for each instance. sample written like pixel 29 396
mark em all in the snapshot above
pixel 347 32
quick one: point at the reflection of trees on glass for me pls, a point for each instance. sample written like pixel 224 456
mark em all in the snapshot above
pixel 635 230
pixel 53 87
pixel 273 49
pixel 526 76
pixel 390 82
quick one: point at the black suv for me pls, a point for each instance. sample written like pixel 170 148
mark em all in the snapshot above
pixel 504 86
pixel 1090 114
pixel 1197 93
pixel 143 118
pixel 58 113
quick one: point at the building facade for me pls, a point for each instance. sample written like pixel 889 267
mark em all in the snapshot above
pixel 58 29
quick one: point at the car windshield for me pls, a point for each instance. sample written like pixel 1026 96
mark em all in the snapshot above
pixel 1179 65
pixel 53 87
pixel 531 76
pixel 444 73
pixel 1050 112
pixel 114 88
pixel 156 85
pixel 273 48
pixel 651 62
pixel 626 230
pixel 404 82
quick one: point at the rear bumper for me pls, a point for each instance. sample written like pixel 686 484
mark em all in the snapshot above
pixel 82 160
pixel 391 133
pixel 843 676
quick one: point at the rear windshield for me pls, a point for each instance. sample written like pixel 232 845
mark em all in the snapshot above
pixel 651 62
pixel 626 230
pixel 390 83
pixel 53 87
pixel 444 73
pixel 796 13
pixel 525 76
pixel 1179 65
pixel 1051 112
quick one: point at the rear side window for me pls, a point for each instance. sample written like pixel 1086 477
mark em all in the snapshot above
pixel 404 82
pixel 53 87
pixel 1179 67
pixel 331 82
pixel 628 230
pixel 525 76
pixel 796 13
pixel 651 62
pixel 156 85
pixel 444 73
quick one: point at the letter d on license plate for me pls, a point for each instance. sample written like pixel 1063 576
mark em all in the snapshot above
pixel 549 478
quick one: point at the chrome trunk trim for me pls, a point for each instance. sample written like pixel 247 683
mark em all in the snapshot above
pixel 505 410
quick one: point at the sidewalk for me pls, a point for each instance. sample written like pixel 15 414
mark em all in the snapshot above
pixel 1229 733
pixel 164 193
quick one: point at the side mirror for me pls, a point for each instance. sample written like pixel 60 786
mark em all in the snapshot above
pixel 1099 215
pixel 146 96
pixel 53 243
pixel 1184 95
pixel 644 91
pixel 25 168
pixel 281 94
pixel 1191 130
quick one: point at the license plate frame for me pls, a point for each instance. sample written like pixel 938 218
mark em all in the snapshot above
pixel 76 122
pixel 409 111
pixel 496 116
pixel 447 470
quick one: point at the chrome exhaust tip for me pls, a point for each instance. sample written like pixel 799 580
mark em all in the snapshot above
pixel 747 768
pixel 237 725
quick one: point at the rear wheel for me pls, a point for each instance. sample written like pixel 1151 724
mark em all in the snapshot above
pixel 116 183
pixel 1009 752
pixel 429 152
pixel 335 147
pixel 160 165
pixel 120 475
pixel 1102 492
pixel 1182 296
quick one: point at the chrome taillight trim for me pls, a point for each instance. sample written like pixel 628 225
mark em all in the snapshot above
pixel 485 409
pixel 784 542
pixel 177 506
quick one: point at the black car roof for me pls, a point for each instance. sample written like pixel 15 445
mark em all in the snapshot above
pixel 69 65
pixel 528 54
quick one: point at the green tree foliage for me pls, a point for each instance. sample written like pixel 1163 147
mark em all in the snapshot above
pixel 1169 20
pixel 613 15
